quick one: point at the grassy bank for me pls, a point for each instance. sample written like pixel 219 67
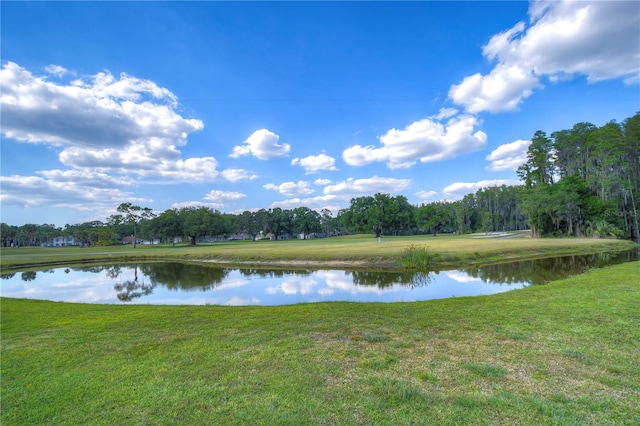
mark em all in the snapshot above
pixel 564 353
pixel 357 251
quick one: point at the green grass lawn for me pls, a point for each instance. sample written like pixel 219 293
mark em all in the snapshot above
pixel 358 251
pixel 564 353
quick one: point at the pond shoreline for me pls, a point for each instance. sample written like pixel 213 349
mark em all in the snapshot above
pixel 373 264
pixel 349 253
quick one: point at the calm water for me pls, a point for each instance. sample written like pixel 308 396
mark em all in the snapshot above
pixel 178 283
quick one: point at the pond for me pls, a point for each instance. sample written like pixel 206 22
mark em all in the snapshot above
pixel 202 284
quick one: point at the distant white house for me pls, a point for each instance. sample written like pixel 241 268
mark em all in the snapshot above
pixel 130 240
pixel 273 237
pixel 312 235
pixel 239 237
pixel 62 241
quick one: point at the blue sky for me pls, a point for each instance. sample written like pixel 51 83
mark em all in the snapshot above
pixel 247 105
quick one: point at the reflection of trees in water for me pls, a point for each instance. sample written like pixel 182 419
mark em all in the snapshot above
pixel 93 268
pixel 541 271
pixel 181 276
pixel 7 276
pixel 173 275
pixel 273 273
pixel 114 271
pixel 388 279
pixel 28 275
pixel 132 289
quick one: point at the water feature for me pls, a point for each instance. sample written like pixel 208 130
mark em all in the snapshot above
pixel 201 284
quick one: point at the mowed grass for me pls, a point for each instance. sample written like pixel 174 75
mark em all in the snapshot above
pixel 359 250
pixel 564 353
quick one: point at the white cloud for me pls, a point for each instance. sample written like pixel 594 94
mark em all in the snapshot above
pixel 509 156
pixel 597 39
pixel 217 195
pixel 368 186
pixel 196 204
pixel 56 70
pixel 291 189
pixel 262 144
pixel 425 195
pixel 318 203
pixel 322 182
pixel 199 169
pixel 120 125
pixel 65 189
pixel 359 155
pixel 335 196
pixel 502 90
pixel 86 178
pixel 425 141
pixel 444 113
pixel 291 203
pixel 459 189
pixel 102 113
pixel 315 163
pixel 235 175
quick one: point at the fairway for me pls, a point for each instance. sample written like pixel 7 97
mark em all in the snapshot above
pixel 356 251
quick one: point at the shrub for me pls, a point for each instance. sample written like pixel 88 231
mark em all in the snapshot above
pixel 417 257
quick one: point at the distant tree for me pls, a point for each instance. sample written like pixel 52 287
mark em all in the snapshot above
pixel 249 224
pixel 306 221
pixel 195 222
pixel 134 214
pixel 166 225
pixel 278 221
pixel 326 219
pixel 8 234
pixel 432 217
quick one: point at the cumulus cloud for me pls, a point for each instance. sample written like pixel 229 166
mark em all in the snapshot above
pixel 217 195
pixel 502 90
pixel 315 163
pixel 235 175
pixel 459 189
pixel 56 70
pixel 196 204
pixel 291 189
pixel 322 182
pixel 87 178
pixel 336 195
pixel 65 189
pixel 103 112
pixel 425 195
pixel 214 199
pixel 427 140
pixel 563 39
pixel 509 156
pixel 262 144
pixel 111 124
pixel 367 186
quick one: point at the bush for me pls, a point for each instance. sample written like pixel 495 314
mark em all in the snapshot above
pixel 417 257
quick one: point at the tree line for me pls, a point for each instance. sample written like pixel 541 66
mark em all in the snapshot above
pixel 582 181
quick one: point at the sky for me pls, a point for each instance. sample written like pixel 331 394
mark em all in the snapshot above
pixel 247 105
